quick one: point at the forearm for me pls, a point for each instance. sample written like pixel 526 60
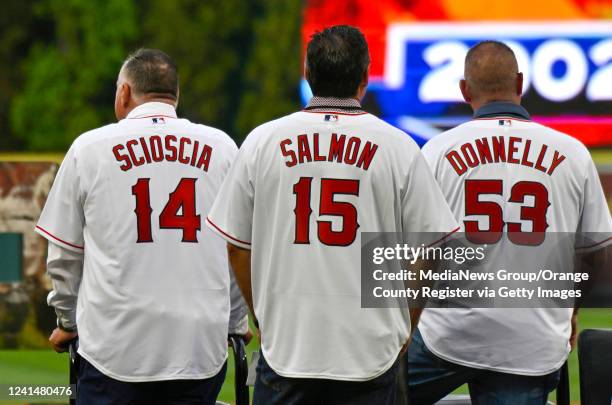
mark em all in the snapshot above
pixel 239 318
pixel 415 315
pixel 240 260
pixel 417 306
pixel 65 268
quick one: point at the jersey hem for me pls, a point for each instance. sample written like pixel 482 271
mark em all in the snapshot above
pixel 325 376
pixel 123 378
pixel 54 239
pixel 227 236
pixel 527 373
pixel 595 246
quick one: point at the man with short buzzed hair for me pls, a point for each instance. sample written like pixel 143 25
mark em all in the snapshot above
pixel 492 73
pixel 135 274
pixel 535 182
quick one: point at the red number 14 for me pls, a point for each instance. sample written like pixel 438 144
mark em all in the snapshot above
pixel 181 199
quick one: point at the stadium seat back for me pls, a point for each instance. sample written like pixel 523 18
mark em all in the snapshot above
pixel 595 363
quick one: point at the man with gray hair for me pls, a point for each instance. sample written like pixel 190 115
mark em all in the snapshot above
pixel 511 184
pixel 135 274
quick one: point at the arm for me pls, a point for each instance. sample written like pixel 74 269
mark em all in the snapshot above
pixel 239 312
pixel 65 268
pixel 574 332
pixel 240 260
pixel 416 311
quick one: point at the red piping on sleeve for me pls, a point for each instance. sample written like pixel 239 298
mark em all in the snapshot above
pixel 58 239
pixel 225 233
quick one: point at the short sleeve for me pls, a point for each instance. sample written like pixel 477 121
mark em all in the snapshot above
pixel 595 226
pixel 231 216
pixel 430 155
pixel 424 208
pixel 62 218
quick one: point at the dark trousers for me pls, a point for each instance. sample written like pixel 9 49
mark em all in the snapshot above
pixel 431 378
pixel 95 388
pixel 273 389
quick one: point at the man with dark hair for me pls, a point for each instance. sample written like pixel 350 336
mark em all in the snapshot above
pixel 292 210
pixel 520 182
pixel 337 62
pixel 134 274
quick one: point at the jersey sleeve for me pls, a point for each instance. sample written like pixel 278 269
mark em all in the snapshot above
pixel 595 225
pixel 62 218
pixel 424 208
pixel 431 156
pixel 231 215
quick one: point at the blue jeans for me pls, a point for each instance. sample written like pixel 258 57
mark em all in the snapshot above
pixel 431 378
pixel 95 388
pixel 273 389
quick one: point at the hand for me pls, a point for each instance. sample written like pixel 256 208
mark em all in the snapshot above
pixel 572 339
pixel 248 337
pixel 59 339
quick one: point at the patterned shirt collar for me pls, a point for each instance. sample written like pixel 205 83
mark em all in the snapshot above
pixel 333 104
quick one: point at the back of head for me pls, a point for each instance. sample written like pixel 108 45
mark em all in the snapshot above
pixel 151 72
pixel 337 61
pixel 491 71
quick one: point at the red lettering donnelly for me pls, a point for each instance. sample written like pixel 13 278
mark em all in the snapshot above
pixel 513 150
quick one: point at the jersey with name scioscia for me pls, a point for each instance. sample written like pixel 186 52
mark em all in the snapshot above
pixel 132 196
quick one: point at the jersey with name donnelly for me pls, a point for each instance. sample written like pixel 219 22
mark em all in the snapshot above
pixel 300 193
pixel 154 299
pixel 545 181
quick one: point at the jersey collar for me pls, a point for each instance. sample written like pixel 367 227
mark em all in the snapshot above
pixel 152 109
pixel 333 104
pixel 501 109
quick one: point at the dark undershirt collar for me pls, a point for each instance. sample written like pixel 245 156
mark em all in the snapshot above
pixel 502 109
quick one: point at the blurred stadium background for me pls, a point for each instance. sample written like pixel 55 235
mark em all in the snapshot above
pixel 240 64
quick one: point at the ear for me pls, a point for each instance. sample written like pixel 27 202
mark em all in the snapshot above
pixel 125 95
pixel 519 84
pixel 305 69
pixel 365 80
pixel 465 91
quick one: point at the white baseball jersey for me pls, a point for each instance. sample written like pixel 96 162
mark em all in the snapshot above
pixel 300 193
pixel 507 174
pixel 154 300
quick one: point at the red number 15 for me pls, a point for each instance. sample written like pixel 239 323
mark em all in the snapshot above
pixel 327 206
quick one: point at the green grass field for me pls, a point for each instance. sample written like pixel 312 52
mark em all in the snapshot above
pixel 47 367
